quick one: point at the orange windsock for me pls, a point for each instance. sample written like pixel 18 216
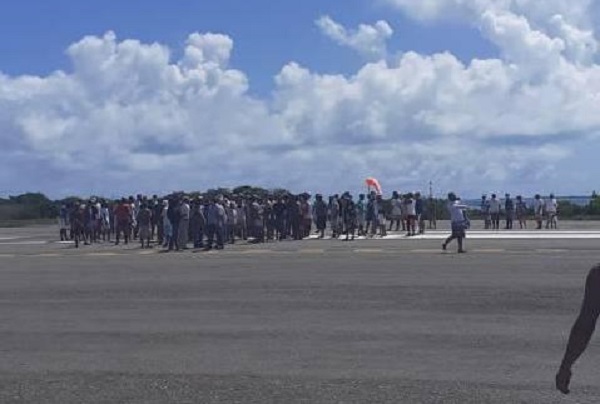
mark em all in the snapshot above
pixel 373 183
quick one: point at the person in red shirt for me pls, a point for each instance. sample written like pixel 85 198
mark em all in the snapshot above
pixel 123 220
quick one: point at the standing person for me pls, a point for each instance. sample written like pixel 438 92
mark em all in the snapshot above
pixel 197 222
pixel 582 330
pixel 166 224
pixel 232 220
pixel 521 211
pixel 320 215
pixel 551 209
pixel 371 216
pixel 411 214
pixel 396 215
pixel 144 220
pixel 349 217
pixel 258 221
pixel 154 205
pixel 280 211
pixel 404 214
pixel 420 211
pixel 221 223
pixel 184 223
pixel 123 221
pixel 361 211
pixel 509 209
pixel 458 222
pixel 495 207
pixel 485 213
pixel 174 214
pixel 380 215
pixel 63 222
pixel 334 216
pixel 105 222
pixel 89 222
pixel 538 208
pixel 432 213
pixel 159 222
pixel 77 223
pixel 306 211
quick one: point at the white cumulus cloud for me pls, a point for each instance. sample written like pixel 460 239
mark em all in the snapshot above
pixel 130 117
pixel 368 40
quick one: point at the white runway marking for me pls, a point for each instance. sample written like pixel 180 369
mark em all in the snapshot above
pixel 506 235
pixel 23 243
pixel 491 235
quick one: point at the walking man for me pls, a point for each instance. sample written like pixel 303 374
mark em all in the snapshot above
pixel 459 222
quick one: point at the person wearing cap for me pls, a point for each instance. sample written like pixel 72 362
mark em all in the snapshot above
pixel 459 222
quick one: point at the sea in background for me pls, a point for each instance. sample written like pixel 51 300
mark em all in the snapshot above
pixel 575 200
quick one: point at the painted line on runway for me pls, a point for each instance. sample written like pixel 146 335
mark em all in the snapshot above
pixel 430 251
pixel 7 255
pixel 490 250
pixel 312 251
pixel 368 251
pixel 103 254
pixel 24 243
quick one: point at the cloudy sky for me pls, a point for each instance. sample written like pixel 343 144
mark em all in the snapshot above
pixel 156 95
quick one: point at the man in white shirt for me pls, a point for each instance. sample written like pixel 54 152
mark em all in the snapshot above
pixel 459 222
pixel 538 209
pixel 495 207
pixel 184 224
pixel 551 212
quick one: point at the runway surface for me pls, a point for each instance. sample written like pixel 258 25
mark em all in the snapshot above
pixel 372 321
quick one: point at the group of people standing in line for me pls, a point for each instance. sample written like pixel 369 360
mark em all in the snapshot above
pixel 543 210
pixel 178 220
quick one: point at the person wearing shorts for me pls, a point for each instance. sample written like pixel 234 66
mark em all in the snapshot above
pixel 458 222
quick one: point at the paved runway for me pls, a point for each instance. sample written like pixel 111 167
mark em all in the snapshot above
pixel 381 321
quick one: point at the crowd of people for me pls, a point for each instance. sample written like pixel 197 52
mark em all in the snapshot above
pixel 544 210
pixel 178 221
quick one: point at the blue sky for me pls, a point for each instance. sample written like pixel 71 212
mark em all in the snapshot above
pixel 267 33
pixel 476 95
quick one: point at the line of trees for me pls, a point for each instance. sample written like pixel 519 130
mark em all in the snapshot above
pixel 36 206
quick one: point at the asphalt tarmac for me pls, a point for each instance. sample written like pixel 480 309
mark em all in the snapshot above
pixel 378 321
